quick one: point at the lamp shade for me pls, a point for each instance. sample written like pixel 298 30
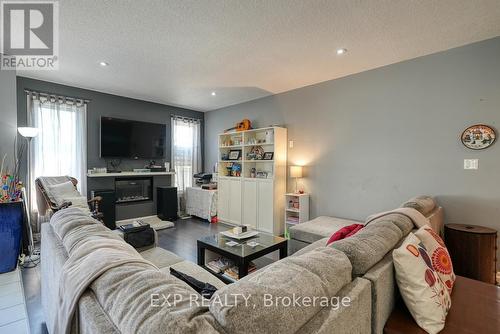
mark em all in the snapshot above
pixel 28 132
pixel 295 171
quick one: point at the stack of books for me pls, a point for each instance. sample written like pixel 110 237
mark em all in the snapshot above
pixel 292 220
pixel 232 272
pixel 219 265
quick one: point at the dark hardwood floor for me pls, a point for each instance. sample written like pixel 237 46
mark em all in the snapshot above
pixel 180 240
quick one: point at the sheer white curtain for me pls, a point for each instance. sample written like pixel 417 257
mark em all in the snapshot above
pixel 186 153
pixel 61 146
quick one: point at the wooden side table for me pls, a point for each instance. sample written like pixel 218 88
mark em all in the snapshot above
pixel 473 251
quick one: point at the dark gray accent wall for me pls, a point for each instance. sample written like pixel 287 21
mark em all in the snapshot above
pixel 374 139
pixel 102 104
pixel 8 116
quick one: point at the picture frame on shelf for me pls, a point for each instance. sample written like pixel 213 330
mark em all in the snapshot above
pixel 268 156
pixel 262 175
pixel 234 155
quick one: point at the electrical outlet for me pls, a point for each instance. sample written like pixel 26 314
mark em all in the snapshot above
pixel 290 144
pixel 471 163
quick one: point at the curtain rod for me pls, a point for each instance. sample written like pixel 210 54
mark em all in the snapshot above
pixel 29 91
pixel 186 118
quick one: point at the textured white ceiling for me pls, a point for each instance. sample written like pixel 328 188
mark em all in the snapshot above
pixel 178 51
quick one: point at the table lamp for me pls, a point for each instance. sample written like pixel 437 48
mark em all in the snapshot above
pixel 295 173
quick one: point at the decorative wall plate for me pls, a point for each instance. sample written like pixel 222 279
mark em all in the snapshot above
pixel 478 137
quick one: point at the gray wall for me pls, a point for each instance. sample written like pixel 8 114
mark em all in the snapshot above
pixel 374 139
pixel 103 104
pixel 8 116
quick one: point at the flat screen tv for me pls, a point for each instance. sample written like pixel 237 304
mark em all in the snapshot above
pixel 121 138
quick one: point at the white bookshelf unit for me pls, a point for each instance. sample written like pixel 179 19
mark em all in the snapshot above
pixel 250 187
pixel 296 209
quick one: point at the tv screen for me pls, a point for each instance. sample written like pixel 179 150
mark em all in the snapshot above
pixel 121 138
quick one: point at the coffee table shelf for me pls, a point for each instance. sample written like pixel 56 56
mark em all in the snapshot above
pixel 241 254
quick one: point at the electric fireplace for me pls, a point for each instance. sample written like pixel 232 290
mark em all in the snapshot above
pixel 134 189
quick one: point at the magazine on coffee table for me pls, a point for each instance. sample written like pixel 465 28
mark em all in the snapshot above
pixel 244 235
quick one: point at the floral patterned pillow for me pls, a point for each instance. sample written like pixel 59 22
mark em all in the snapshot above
pixel 440 258
pixel 423 291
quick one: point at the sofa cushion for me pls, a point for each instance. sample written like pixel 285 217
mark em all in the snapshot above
pixel 383 291
pixel 423 204
pixel 354 317
pixel 310 247
pixel 369 245
pixel 258 301
pixel 146 300
pixel 402 221
pixel 318 228
pixel 160 257
pixel 423 292
pixel 191 269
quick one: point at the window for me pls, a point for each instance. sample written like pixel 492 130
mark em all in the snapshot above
pixel 186 153
pixel 61 146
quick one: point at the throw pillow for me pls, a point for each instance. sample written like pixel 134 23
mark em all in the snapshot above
pixel 441 261
pixel 344 232
pixel 423 292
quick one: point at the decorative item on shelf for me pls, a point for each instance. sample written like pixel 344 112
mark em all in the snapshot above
pixel 224 156
pixel 236 170
pixel 268 156
pixel 296 173
pixel 241 126
pixel 255 153
pixel 234 155
pixel 478 137
pixel 228 167
pixel 251 141
pixel 237 141
pixel 227 142
pixel 269 136
pixel 262 175
pixel 253 173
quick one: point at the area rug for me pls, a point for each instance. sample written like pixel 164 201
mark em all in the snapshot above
pixel 153 221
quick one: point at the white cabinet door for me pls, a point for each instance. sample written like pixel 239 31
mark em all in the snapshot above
pixel 235 201
pixel 265 205
pixel 223 199
pixel 249 206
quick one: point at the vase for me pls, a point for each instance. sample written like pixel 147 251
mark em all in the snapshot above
pixel 11 227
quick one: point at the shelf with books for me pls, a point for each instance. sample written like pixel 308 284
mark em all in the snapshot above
pixel 296 210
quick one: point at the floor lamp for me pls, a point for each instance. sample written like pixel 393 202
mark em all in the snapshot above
pixel 28 133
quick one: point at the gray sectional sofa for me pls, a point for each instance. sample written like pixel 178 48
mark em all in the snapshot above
pixel 352 280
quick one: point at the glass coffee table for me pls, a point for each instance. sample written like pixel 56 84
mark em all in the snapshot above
pixel 242 253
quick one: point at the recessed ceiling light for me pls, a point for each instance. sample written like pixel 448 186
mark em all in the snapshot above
pixel 103 63
pixel 341 51
pixel 213 94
